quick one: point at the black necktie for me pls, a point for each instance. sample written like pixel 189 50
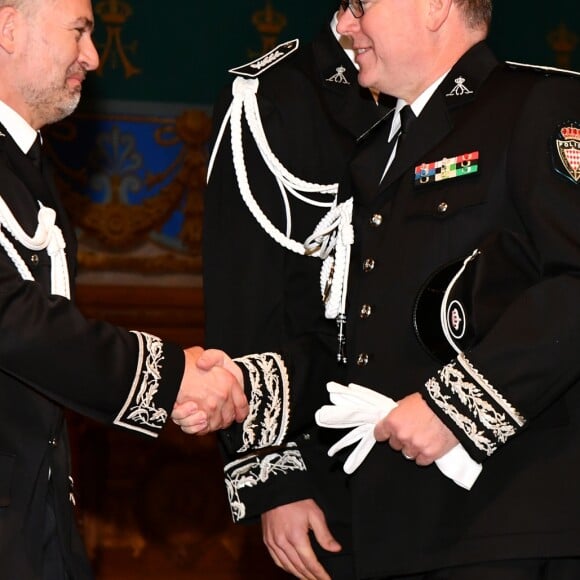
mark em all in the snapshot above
pixel 407 117
pixel 35 152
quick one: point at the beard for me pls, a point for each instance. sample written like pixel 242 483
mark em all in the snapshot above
pixel 52 102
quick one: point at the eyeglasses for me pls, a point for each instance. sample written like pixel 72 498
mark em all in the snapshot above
pixel 356 7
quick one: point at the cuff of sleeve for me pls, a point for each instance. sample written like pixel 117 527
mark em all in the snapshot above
pixel 256 484
pixel 268 392
pixel 477 413
pixel 155 386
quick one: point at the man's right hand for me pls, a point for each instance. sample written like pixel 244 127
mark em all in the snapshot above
pixel 210 397
pixel 285 533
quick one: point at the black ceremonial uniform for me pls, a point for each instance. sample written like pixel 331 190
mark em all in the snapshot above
pixel 260 296
pixel 50 355
pixel 486 155
pixel 494 152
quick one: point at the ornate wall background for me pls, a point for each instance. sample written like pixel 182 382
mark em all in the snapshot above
pixel 132 160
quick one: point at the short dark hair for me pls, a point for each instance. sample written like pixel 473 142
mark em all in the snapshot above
pixel 477 12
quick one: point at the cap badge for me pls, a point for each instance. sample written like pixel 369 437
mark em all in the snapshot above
pixel 456 319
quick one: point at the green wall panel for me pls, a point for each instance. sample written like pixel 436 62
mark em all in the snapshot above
pixel 179 51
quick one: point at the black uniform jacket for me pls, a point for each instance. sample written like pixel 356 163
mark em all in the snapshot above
pixel 494 151
pixel 260 296
pixel 50 355
pixel 513 398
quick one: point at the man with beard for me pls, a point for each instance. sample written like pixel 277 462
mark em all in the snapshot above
pixel 50 355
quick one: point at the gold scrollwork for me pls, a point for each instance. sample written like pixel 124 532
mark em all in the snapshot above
pixel 114 14
pixel 119 227
pixel 269 23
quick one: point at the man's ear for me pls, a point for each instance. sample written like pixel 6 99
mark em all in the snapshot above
pixel 438 12
pixel 8 20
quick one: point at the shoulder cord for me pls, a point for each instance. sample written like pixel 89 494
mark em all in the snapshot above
pixel 334 232
pixel 331 241
pixel 48 236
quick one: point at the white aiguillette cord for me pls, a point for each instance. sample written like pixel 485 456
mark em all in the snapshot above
pixel 360 409
pixel 333 236
pixel 48 236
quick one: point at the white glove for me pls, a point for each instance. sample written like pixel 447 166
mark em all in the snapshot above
pixel 361 408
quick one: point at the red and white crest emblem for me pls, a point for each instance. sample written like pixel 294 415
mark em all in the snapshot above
pixel 568 147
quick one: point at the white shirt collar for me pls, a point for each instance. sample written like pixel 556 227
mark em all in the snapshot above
pixel 22 133
pixel 417 105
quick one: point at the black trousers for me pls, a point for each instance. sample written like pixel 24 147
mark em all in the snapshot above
pixel 53 567
pixel 534 569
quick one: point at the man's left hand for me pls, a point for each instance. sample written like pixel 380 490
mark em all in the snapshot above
pixel 413 429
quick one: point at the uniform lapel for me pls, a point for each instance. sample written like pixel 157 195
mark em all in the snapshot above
pixel 368 164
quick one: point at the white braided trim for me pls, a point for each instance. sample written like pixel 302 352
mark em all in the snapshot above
pixel 16 258
pixel 499 399
pixel 246 89
pixel 244 101
pixel 331 241
pixel 48 236
pixel 332 238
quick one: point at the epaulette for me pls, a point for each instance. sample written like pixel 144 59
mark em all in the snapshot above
pixel 263 63
pixel 547 70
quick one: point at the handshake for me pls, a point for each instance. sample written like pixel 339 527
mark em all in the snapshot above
pixel 211 395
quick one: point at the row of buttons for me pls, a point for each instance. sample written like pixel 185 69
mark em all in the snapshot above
pixel 366 309
pixel 368 266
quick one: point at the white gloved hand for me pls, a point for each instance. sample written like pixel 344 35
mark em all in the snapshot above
pixel 361 409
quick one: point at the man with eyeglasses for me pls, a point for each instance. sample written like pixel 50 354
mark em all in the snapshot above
pixel 355 6
pixel 490 149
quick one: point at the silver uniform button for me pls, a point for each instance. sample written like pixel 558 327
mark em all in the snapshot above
pixel 34 259
pixel 362 360
pixel 52 442
pixel 366 310
pixel 442 207
pixel 369 265
pixel 376 220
